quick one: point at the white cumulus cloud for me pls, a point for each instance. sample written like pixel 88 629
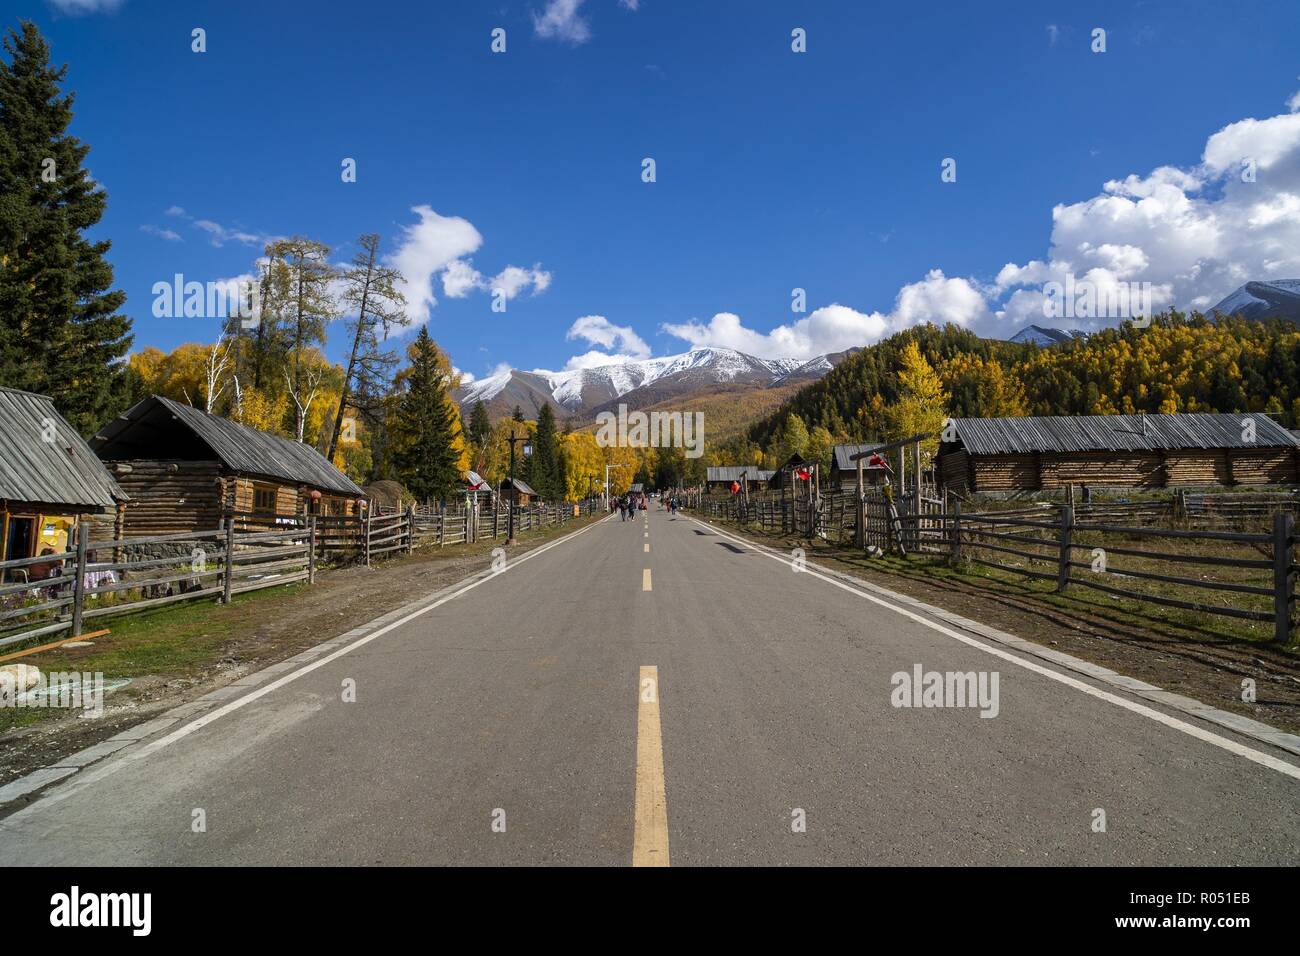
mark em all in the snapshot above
pixel 1193 233
pixel 597 330
pixel 832 328
pixel 438 248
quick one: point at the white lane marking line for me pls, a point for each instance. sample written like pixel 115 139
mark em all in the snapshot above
pixel 200 722
pixel 647 547
pixel 1232 746
pixel 645 580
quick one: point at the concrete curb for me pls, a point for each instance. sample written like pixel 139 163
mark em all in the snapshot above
pixel 1245 726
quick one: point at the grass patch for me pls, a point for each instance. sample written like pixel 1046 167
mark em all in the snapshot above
pixel 172 640
pixel 177 641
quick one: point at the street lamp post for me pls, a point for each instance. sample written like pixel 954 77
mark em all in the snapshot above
pixel 607 468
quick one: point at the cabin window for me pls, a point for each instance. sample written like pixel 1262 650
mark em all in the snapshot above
pixel 264 499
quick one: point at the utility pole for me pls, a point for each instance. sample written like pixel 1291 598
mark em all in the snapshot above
pixel 514 491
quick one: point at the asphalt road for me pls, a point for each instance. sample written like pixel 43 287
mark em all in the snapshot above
pixel 696 702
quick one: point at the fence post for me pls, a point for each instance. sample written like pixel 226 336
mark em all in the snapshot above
pixel 1063 570
pixel 228 577
pixel 442 524
pixel 311 549
pixel 956 530
pixel 365 530
pixel 410 528
pixel 1283 577
pixel 79 585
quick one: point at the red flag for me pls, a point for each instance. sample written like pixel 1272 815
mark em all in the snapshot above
pixel 803 474
pixel 875 461
pixel 735 487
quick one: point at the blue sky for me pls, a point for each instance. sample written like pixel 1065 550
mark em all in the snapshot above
pixel 775 169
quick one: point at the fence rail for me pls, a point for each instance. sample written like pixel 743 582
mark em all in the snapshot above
pixel 50 594
pixel 1192 563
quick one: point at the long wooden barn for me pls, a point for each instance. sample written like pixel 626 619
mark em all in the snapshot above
pixel 183 468
pixel 49 479
pixel 1144 451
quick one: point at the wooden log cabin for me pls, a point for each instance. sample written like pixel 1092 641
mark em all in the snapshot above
pixel 50 480
pixel 718 479
pixel 1139 451
pixel 183 469
pixel 844 470
pixel 518 492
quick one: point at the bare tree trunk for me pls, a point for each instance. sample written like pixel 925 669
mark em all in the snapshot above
pixel 352 360
pixel 215 367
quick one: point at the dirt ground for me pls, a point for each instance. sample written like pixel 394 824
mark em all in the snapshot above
pixel 222 644
pixel 1200 663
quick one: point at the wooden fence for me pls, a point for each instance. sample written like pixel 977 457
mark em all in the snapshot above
pixel 103 578
pixel 1111 548
pixel 264 551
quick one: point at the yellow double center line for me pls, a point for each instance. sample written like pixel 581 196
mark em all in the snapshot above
pixel 650 834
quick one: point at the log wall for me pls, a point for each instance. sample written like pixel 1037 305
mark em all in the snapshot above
pixel 1125 468
pixel 846 479
pixel 169 496
pixel 1231 466
pixel 1265 466
pixel 1201 467
pixel 954 470
pixel 1004 472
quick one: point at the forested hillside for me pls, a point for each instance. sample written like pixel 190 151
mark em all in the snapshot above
pixel 1177 364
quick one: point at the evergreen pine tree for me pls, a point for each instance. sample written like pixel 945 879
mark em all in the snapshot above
pixel 480 426
pixel 544 468
pixel 60 331
pixel 425 427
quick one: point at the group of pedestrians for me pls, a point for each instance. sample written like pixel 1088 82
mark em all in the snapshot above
pixel 628 505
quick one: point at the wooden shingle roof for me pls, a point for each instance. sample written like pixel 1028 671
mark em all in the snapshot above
pixel 844 460
pixel 247 451
pixel 733 473
pixel 519 485
pixel 1080 433
pixel 44 461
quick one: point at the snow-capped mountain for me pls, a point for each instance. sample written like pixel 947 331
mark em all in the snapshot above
pixel 637 383
pixel 1042 335
pixel 1279 298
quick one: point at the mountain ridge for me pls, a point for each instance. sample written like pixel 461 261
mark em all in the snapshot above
pixel 639 383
